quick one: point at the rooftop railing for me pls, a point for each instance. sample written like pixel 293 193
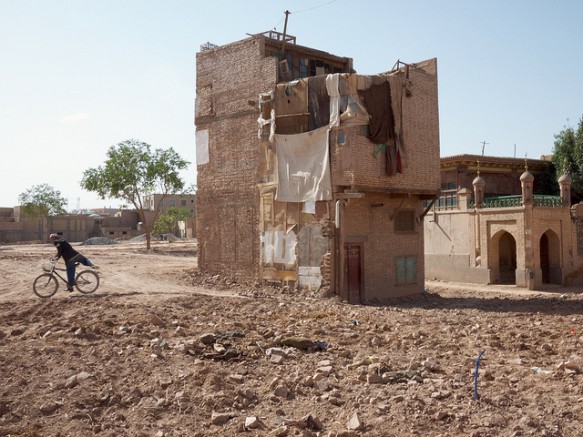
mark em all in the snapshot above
pixel 540 200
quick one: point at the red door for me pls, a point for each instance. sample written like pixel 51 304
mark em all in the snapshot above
pixel 353 272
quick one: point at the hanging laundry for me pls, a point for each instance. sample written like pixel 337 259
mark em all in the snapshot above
pixel 291 98
pixel 334 94
pixel 377 99
pixel 318 103
pixel 397 83
pixel 303 166
pixel 352 110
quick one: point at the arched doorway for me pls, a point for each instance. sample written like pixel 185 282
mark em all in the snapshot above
pixel 544 258
pixel 507 259
pixel 550 262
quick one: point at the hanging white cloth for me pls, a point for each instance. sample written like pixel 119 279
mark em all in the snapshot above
pixel 303 166
pixel 332 88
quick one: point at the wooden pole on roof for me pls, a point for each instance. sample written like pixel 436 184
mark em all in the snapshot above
pixel 285 29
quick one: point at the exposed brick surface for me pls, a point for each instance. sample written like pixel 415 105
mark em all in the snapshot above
pixel 236 207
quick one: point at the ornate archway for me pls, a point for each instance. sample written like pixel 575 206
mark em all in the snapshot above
pixel 506 258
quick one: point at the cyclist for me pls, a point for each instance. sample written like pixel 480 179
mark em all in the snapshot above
pixel 71 258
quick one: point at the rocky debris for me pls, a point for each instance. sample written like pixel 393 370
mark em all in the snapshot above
pixel 288 363
pixel 354 423
pixel 97 241
pixel 220 418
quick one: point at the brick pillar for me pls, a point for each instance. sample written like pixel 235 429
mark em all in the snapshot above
pixel 464 199
pixel 479 183
pixel 565 186
pixel 526 181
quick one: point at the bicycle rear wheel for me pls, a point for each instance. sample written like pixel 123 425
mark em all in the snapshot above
pixel 45 285
pixel 87 281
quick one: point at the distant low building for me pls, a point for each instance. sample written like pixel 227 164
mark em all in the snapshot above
pixel 15 227
pixel 186 229
pixel 187 201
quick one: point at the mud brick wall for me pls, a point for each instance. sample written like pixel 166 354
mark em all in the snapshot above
pixel 228 83
pixel 371 222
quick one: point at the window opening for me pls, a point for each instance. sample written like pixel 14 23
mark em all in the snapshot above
pixel 405 221
pixel 406 270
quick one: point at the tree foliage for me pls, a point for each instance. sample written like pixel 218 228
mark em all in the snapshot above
pixel 167 223
pixel 568 156
pixel 42 201
pixel 133 171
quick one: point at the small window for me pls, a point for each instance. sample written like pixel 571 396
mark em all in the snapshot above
pixel 406 270
pixel 341 138
pixel 111 233
pixel 405 221
pixel 183 202
pixel 172 202
pixel 124 232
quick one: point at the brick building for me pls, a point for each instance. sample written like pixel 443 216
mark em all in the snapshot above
pixel 167 201
pixel 186 229
pixel 311 174
pixel 14 227
pixel 482 231
pixel 502 173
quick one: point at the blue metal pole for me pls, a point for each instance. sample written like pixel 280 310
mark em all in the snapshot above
pixel 476 395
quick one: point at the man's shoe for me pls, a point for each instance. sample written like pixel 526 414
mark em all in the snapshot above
pixel 94 267
pixel 69 289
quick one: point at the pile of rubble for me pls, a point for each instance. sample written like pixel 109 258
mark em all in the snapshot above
pixel 98 241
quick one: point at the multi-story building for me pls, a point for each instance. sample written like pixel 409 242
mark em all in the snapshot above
pixel 311 174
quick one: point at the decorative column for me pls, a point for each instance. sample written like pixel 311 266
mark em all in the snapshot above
pixel 526 182
pixel 479 183
pixel 565 182
pixel 530 271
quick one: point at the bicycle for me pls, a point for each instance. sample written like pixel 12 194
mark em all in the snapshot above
pixel 47 284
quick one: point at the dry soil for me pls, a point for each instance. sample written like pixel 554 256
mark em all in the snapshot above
pixel 164 350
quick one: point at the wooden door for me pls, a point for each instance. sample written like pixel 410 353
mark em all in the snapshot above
pixel 353 272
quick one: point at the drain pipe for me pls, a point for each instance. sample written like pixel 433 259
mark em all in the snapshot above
pixel 339 204
pixel 342 200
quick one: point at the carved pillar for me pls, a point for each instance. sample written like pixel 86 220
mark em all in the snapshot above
pixel 479 183
pixel 526 182
pixel 565 186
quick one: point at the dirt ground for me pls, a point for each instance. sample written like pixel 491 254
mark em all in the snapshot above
pixel 161 350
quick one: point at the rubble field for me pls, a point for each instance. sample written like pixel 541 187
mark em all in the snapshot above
pixel 163 350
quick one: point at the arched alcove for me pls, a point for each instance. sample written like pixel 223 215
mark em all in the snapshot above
pixel 550 258
pixel 505 244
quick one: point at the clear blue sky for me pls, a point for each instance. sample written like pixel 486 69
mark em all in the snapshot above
pixel 78 76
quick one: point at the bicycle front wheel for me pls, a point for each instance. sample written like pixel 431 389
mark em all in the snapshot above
pixel 87 281
pixel 45 285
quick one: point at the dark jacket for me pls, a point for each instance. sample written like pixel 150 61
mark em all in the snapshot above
pixel 65 250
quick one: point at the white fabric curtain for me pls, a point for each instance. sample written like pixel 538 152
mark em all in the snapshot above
pixel 303 166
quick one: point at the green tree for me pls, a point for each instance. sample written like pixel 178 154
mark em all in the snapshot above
pixel 42 202
pixel 568 156
pixel 134 171
pixel 167 223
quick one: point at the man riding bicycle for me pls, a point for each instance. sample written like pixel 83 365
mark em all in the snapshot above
pixel 71 258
